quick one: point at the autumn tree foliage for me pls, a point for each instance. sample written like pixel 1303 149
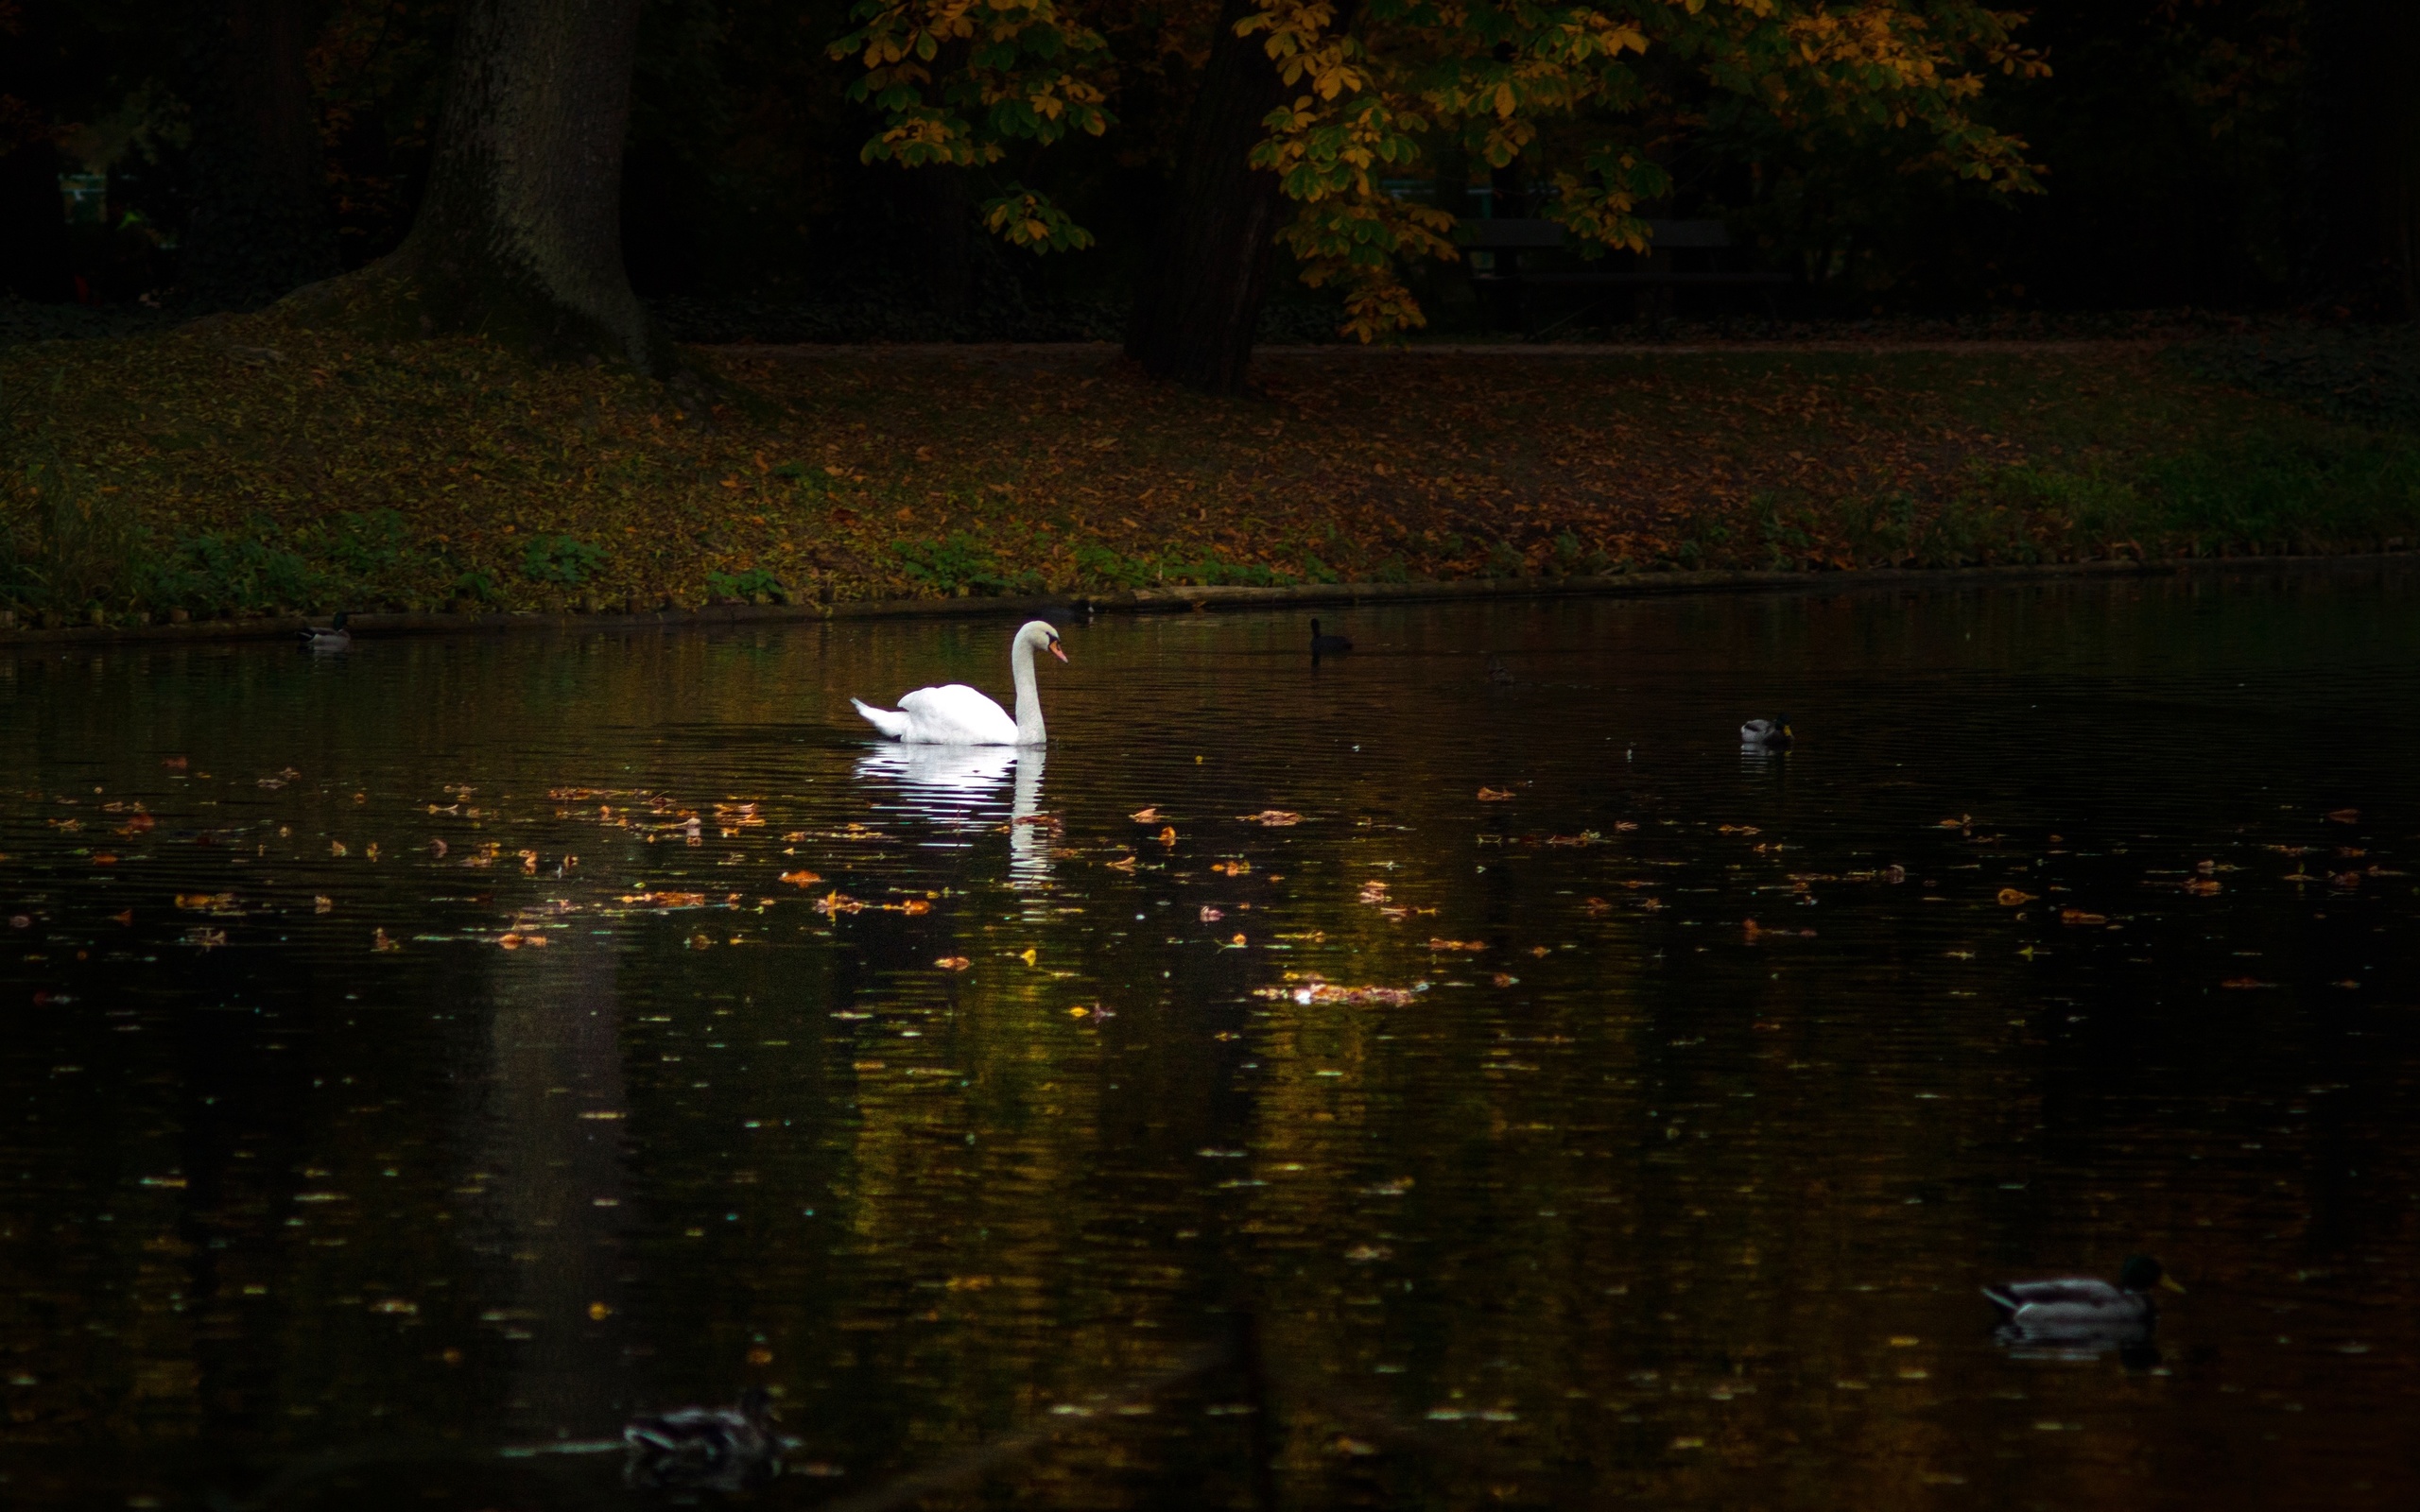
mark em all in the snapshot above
pixel 1343 94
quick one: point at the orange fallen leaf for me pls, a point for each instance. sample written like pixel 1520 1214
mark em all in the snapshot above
pixel 801 879
pixel 2344 816
pixel 2077 916
pixel 2245 981
pixel 1273 819
pixel 2011 898
pixel 1151 815
pixel 953 963
pixel 1458 944
pixel 1231 869
pixel 1122 863
pixel 2200 887
pixel 1495 795
pixel 1168 836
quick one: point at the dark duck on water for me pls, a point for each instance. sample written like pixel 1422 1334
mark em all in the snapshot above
pixel 2081 1311
pixel 722 1449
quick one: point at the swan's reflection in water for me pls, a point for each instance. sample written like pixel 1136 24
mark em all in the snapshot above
pixel 954 793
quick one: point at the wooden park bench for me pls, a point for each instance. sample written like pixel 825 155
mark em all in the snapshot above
pixel 1681 253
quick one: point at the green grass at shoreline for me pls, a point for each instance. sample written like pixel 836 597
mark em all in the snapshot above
pixel 243 466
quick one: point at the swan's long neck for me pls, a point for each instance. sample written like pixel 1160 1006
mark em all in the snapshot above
pixel 1029 728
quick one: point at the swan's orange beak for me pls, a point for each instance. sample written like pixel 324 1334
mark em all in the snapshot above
pixel 1055 651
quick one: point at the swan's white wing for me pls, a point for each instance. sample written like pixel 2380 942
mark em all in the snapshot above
pixel 957 715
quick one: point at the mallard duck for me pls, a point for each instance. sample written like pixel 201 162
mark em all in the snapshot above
pixel 332 636
pixel 2082 1310
pixel 724 1449
pixel 1773 734
pixel 1327 642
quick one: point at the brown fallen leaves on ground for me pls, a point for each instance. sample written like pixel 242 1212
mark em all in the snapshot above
pixel 847 476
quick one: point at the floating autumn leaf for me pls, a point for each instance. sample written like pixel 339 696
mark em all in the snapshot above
pixel 1596 905
pixel 801 879
pixel 1273 819
pixel 1373 891
pixel 2077 916
pixel 1651 902
pixel 2245 983
pixel 1151 815
pixel 1168 836
pixel 379 941
pixel 837 903
pixel 666 899
pixel 1736 829
pixel 1315 990
pixel 1231 869
pixel 1495 795
pixel 516 940
pixel 1121 864
pixel 205 900
pixel 1625 826
pixel 2343 879
pixel 174 764
pixel 321 905
pixel 2344 816
pixel 105 858
pixel 2200 887
pixel 1458 944
pixel 1239 942
pixel 1959 823
pixel 1505 979
pixel 1035 819
pixel 2011 898
pixel 954 963
pixel 909 905
pixel 1210 915
pixel 126 918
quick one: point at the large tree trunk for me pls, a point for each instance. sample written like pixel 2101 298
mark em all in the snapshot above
pixel 1197 314
pixel 261 223
pixel 2363 123
pixel 518 235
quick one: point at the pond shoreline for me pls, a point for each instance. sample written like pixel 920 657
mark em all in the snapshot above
pixel 1197 599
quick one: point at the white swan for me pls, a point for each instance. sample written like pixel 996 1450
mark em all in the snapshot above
pixel 960 715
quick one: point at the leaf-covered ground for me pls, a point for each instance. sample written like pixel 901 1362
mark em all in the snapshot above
pixel 244 463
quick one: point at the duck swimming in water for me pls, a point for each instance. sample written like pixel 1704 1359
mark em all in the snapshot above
pixel 1773 734
pixel 1327 642
pixel 721 1449
pixel 332 636
pixel 2082 1312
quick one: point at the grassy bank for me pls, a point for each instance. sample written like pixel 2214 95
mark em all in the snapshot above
pixel 245 465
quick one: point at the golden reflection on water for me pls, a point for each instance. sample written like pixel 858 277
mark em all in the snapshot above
pixel 415 1077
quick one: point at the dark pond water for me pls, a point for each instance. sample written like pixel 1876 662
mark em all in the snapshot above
pixel 422 1057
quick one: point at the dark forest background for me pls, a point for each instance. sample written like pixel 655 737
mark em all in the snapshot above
pixel 2199 153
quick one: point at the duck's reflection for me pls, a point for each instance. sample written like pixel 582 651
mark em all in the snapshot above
pixel 957 790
